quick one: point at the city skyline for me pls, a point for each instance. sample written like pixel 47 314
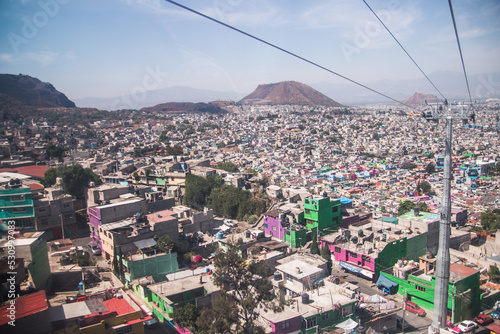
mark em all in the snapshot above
pixel 108 49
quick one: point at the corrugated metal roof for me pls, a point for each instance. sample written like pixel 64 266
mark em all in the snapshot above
pixel 25 306
pixel 146 243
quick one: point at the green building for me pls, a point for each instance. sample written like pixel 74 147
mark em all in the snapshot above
pixel 17 205
pixel 418 286
pixel 156 266
pixel 322 214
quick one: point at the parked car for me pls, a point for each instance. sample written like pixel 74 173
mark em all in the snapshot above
pixel 151 323
pixel 414 308
pixel 496 313
pixel 483 319
pixel 452 328
pixel 94 249
pixel 467 326
pixel 399 323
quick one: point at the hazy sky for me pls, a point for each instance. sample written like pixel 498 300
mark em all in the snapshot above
pixel 108 48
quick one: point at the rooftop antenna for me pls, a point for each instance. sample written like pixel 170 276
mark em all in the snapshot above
pixel 436 113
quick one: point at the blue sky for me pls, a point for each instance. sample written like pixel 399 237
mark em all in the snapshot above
pixel 109 48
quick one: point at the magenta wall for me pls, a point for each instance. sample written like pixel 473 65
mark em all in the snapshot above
pixel 365 262
pixel 274 222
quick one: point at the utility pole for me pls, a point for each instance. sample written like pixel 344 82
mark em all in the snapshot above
pixel 443 255
pixel 62 225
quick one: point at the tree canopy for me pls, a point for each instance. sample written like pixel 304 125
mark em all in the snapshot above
pixel 75 179
pixel 490 220
pixel 228 166
pixel 247 286
pixel 430 168
pixel 407 206
pixel 408 165
pixel 165 244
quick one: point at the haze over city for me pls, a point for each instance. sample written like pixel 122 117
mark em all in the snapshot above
pixel 107 48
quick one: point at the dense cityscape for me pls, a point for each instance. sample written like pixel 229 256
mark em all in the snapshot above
pixel 279 219
pixel 228 166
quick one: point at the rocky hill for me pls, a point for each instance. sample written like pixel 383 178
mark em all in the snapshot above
pixel 420 98
pixel 186 107
pixel 22 92
pixel 288 92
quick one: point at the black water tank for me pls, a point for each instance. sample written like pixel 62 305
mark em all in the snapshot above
pixel 277 276
pixel 247 233
pixel 305 298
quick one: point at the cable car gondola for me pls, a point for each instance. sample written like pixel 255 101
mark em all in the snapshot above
pixel 473 172
pixel 440 162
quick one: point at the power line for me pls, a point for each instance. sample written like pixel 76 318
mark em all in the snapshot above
pixel 414 62
pixel 286 51
pixel 460 49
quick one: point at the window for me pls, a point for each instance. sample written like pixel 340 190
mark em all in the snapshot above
pixel 274 228
pixel 366 259
pixel 420 288
pixel 289 279
pixel 18 210
pixel 15 198
pixel 337 249
pixel 306 201
pixel 353 255
pixel 325 315
pixel 346 310
pixel 40 210
pixel 311 322
pixel 124 330
pixel 335 209
pixel 308 212
pixel 66 205
pixel 266 226
pixel 285 324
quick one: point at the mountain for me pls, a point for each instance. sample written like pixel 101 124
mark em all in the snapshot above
pixel 186 107
pixel 288 92
pixel 24 93
pixel 154 97
pixel 420 98
pixel 451 84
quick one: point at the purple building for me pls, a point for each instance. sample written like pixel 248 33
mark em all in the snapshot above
pixel 273 224
pixel 105 214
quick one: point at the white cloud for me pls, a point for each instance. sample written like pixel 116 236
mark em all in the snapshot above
pixel 7 57
pixel 44 58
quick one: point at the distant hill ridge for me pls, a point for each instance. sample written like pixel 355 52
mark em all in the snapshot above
pixel 420 98
pixel 288 92
pixel 186 107
pixel 21 92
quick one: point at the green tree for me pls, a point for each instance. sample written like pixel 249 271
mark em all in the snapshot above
pixel 220 318
pixel 186 316
pixel 247 286
pixel 198 189
pixel 165 244
pixel 314 246
pixel 228 166
pixel 83 259
pixel 490 220
pixel 430 168
pixel 405 206
pixel 408 165
pixel 376 136
pixel 75 179
pixel 493 273
pixel 327 255
pixel 53 151
pixel 426 187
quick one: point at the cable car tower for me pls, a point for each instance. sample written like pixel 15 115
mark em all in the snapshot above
pixel 436 113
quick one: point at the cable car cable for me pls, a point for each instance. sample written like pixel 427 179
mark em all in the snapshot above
pixel 460 49
pixel 286 51
pixel 414 62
